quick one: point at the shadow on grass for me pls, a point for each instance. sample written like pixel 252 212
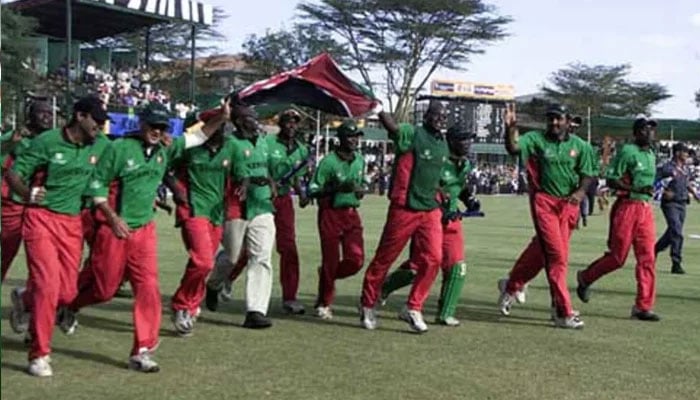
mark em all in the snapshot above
pixel 18 346
pixel 13 367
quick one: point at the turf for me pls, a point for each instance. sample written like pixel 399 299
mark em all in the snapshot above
pixel 488 357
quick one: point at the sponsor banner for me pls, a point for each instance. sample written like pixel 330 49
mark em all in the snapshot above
pixel 475 90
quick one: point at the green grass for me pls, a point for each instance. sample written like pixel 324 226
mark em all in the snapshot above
pixel 488 357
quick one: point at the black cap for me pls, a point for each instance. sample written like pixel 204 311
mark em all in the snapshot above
pixel 458 133
pixel 93 106
pixel 640 123
pixel 155 114
pixel 556 109
pixel 349 128
pixel 680 147
pixel 577 120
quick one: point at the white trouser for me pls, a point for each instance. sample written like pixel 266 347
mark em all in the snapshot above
pixel 257 236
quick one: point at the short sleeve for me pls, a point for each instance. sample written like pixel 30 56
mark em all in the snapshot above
pixel 320 178
pixel 31 159
pixel 105 172
pixel 618 166
pixel 527 144
pixel 238 164
pixel 176 151
pixel 585 163
pixel 404 138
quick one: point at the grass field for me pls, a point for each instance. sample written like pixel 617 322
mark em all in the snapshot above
pixel 488 357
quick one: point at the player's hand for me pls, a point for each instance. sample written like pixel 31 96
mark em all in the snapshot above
pixel 19 134
pixel 166 139
pixel 510 116
pixel 668 195
pixel 119 228
pixel 646 190
pixel 226 109
pixel 304 200
pixel 577 197
pixel 242 192
pixel 37 194
pixel 360 194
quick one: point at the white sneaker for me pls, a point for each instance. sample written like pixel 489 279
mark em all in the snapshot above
pixel 521 295
pixel 553 313
pixel 505 300
pixel 293 307
pixel 571 322
pixel 414 319
pixel 183 323
pixel 197 313
pixel 19 317
pixel 449 321
pixel 40 367
pixel 143 362
pixel 324 312
pixel 226 293
pixel 368 316
pixel 67 320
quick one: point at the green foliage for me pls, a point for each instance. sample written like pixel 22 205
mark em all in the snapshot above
pixel 407 39
pixel 17 73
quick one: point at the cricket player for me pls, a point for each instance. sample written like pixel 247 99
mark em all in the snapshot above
pixel 39 119
pixel 51 176
pixel 454 183
pixel 560 168
pixel 202 174
pixel 414 214
pixel 255 229
pixel 674 201
pixel 631 174
pixel 337 184
pixel 124 192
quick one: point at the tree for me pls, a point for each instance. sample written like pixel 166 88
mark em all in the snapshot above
pixel 407 39
pixel 605 89
pixel 17 55
pixel 281 50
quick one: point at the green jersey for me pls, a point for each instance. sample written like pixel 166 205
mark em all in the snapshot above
pixel 634 166
pixel 559 166
pixel 10 151
pixel 285 159
pixel 204 172
pixel 251 160
pixel 453 181
pixel 333 171
pixel 415 180
pixel 64 167
pixel 132 174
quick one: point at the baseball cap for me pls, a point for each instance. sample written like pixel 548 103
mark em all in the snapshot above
pixel 290 114
pixel 642 122
pixel 680 147
pixel 93 106
pixel 556 109
pixel 155 114
pixel 458 133
pixel 349 128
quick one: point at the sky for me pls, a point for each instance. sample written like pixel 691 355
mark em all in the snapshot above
pixel 659 39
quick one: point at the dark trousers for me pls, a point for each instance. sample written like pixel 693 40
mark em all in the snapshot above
pixel 673 237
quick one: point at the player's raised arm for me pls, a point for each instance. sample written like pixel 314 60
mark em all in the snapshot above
pixel 512 133
pixel 389 124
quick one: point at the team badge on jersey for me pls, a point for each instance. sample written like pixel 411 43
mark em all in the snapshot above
pixel 246 152
pixel 224 163
pixel 93 159
pixel 572 153
pixel 159 159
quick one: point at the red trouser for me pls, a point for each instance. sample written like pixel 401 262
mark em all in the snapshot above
pixel 54 245
pixel 11 236
pixel 452 247
pixel 135 257
pixel 201 239
pixel 338 227
pixel 631 224
pixel 287 247
pixel 555 219
pixel 402 225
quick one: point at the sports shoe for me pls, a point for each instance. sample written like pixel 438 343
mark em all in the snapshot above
pixel 570 322
pixel 67 320
pixel 553 314
pixel 183 323
pixel 40 367
pixel 19 317
pixel 324 312
pixel 368 316
pixel 256 320
pixel 505 300
pixel 449 321
pixel 644 315
pixel 414 319
pixel 582 290
pixel 211 300
pixel 143 362
pixel 293 307
pixel 521 295
pixel 197 313
pixel 383 298
pixel 677 269
pixel 226 293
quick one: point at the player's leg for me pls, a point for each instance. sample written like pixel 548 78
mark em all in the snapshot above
pixel 665 240
pixel 676 228
pixel 428 259
pixel 622 222
pixel 400 226
pixel 11 235
pixel 454 273
pixel 289 256
pixel 260 240
pixel 401 277
pixel 645 270
pixel 329 229
pixel 233 239
pixel 142 272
